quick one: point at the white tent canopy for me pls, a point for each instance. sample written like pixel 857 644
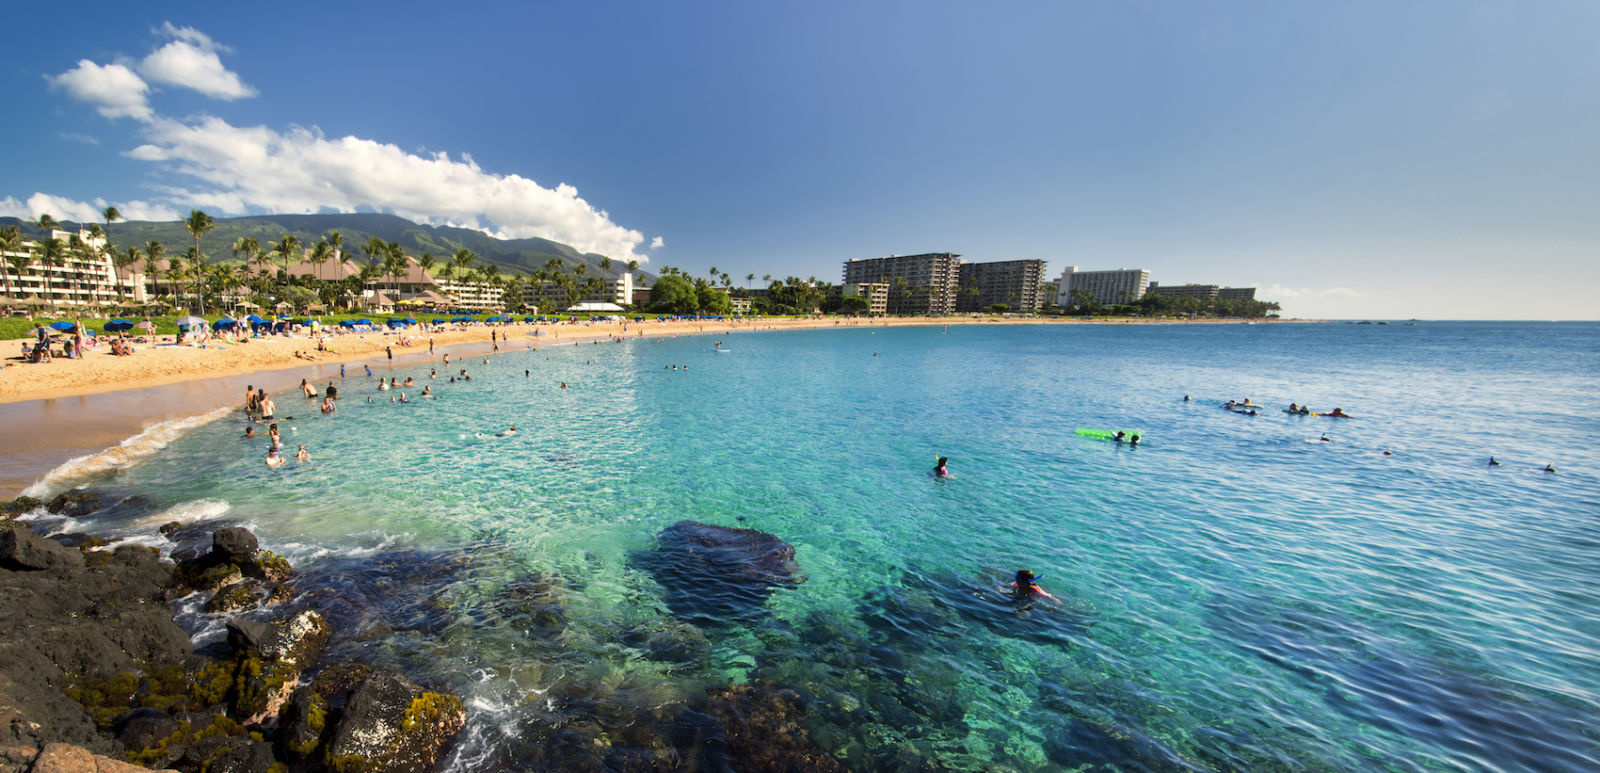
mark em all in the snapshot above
pixel 591 306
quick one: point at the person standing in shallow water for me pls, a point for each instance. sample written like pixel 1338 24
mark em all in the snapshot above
pixel 1025 589
pixel 939 469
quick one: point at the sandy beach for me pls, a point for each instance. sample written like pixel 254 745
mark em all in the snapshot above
pixel 66 410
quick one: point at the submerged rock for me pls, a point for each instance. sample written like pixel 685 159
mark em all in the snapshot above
pixel 17 507
pixel 715 575
pixel 77 502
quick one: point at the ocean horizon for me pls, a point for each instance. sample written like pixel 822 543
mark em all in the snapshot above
pixel 1236 592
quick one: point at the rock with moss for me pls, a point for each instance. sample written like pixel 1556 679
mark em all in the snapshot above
pixel 17 507
pixel 237 597
pixel 268 661
pixel 392 725
pixel 303 726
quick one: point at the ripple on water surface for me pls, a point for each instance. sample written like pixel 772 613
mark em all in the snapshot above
pixel 1235 593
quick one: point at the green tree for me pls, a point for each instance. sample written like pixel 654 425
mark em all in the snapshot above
pixel 674 295
pixel 11 244
pixel 110 214
pixel 50 253
pixel 321 254
pixel 289 251
pixel 153 250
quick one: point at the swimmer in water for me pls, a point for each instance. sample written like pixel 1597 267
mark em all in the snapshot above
pixel 1549 468
pixel 1119 437
pixel 1325 438
pixel 1024 587
pixel 1186 398
pixel 1133 442
pixel 302 455
pixel 939 470
pixel 1493 462
pixel 427 391
pixel 250 431
pixel 273 459
pixel 507 433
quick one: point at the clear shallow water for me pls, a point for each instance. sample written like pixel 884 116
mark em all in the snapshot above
pixel 1236 594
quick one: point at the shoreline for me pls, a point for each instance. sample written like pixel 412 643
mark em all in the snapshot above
pixel 73 409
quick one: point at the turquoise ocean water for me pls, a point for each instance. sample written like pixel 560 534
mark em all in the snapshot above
pixel 1236 594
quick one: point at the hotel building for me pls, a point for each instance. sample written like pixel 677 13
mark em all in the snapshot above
pixel 1124 285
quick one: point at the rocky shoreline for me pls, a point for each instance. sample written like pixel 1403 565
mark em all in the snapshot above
pixel 96 675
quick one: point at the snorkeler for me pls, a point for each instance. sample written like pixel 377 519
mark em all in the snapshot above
pixel 1024 588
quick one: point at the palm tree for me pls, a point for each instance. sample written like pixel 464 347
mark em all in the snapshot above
pixel 131 257
pixel 46 224
pixel 195 269
pixel 336 242
pixel 464 258
pixel 51 253
pixel 426 262
pixel 153 251
pixel 288 249
pixel 11 242
pixel 83 252
pixel 394 265
pixel 320 254
pixel 605 264
pixel 749 279
pixel 110 214
pixel 199 224
pixel 248 249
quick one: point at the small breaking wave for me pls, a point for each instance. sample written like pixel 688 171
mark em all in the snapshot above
pixel 121 456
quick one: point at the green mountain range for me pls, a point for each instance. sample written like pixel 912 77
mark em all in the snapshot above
pixel 511 255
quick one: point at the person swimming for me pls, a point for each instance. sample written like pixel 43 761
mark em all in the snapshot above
pixel 1493 462
pixel 1024 587
pixel 1325 438
pixel 249 431
pixel 1119 437
pixel 1338 413
pixel 302 455
pixel 1133 442
pixel 273 459
pixel 939 469
pixel 1549 468
pixel 507 433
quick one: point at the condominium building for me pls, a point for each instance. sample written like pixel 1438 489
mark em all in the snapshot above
pixel 76 277
pixel 917 284
pixel 876 293
pixel 1237 294
pixel 1124 285
pixel 1201 292
pixel 1015 283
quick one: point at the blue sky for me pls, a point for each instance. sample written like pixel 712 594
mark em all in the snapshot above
pixel 1419 159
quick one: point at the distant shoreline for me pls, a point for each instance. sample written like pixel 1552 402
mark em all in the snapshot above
pixel 53 413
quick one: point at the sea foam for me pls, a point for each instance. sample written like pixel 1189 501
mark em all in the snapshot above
pixel 125 454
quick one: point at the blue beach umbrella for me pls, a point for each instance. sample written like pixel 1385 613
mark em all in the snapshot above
pixel 527 319
pixel 64 326
pixel 118 325
pixel 439 320
pixel 363 321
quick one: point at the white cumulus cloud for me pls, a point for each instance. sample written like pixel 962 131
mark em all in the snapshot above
pixel 63 208
pixel 115 90
pixel 190 60
pixel 237 170
pixel 256 168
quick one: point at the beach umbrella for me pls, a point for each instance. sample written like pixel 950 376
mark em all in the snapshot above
pixel 146 325
pixel 118 325
pixel 190 321
pixel 224 324
pixel 363 321
pixel 253 319
pixel 64 326
pixel 439 320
